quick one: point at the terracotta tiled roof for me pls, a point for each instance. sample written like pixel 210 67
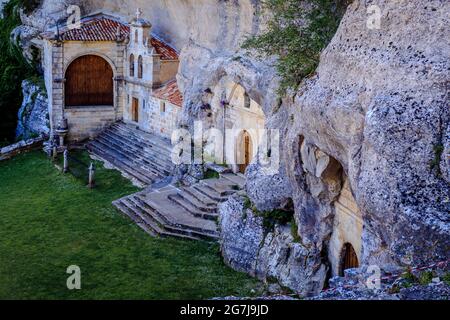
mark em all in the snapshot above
pixel 170 92
pixel 166 51
pixel 96 29
pixel 100 28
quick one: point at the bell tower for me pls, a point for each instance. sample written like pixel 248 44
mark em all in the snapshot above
pixel 147 62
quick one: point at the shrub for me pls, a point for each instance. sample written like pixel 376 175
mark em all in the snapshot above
pixel 297 31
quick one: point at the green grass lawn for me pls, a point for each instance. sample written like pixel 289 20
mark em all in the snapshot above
pixel 49 221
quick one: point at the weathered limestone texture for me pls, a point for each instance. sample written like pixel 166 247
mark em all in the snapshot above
pixel 274 257
pixel 33 114
pixel 378 104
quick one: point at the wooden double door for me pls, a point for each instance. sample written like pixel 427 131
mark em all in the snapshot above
pixel 89 82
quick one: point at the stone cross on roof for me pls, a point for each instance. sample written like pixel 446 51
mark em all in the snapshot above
pixel 138 13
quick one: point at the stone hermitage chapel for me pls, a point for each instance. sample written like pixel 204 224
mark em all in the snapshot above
pixel 107 71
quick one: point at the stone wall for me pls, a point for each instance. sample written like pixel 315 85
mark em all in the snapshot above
pixel 151 117
pixel 88 122
pixel 160 122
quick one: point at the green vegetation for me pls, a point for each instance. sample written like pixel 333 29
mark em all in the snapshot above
pixel 211 174
pixel 435 163
pixel 13 67
pixel 426 278
pixel 297 32
pixel 51 221
pixel 275 217
pixel 270 218
pixel 446 278
pixel 294 231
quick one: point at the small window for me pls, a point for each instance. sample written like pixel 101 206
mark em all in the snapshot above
pixel 143 104
pixel 132 66
pixel 247 102
pixel 162 107
pixel 140 68
pixel 136 36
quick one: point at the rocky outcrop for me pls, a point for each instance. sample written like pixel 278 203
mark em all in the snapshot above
pixel 377 105
pixel 33 114
pixel 375 112
pixel 275 257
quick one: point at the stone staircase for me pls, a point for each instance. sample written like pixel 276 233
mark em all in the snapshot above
pixel 182 212
pixel 142 157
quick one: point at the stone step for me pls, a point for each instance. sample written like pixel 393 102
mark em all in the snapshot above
pixel 222 186
pixel 164 229
pixel 138 144
pixel 144 221
pixel 122 207
pixel 147 152
pixel 178 199
pixel 199 196
pixel 210 193
pixel 131 163
pixel 177 216
pixel 134 155
pixel 199 204
pixel 139 135
pixel 143 179
pixel 164 224
pixel 238 179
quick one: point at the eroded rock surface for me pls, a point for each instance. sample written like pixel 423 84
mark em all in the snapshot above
pixel 33 114
pixel 271 256
pixel 378 106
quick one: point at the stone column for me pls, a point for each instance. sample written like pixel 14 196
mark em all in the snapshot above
pixel 57 112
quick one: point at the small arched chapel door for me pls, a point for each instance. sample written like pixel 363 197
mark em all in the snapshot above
pixel 246 152
pixel 349 258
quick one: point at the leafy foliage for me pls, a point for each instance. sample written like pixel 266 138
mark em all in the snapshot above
pixel 13 68
pixel 297 32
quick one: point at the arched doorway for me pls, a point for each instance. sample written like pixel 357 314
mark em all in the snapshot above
pixel 89 82
pixel 349 258
pixel 235 112
pixel 245 152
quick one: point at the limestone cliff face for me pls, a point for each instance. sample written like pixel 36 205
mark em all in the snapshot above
pixel 375 113
pixel 379 106
pixel 214 24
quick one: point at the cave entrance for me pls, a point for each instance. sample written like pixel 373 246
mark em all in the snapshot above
pixel 346 239
pixel 349 258
pixel 238 115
